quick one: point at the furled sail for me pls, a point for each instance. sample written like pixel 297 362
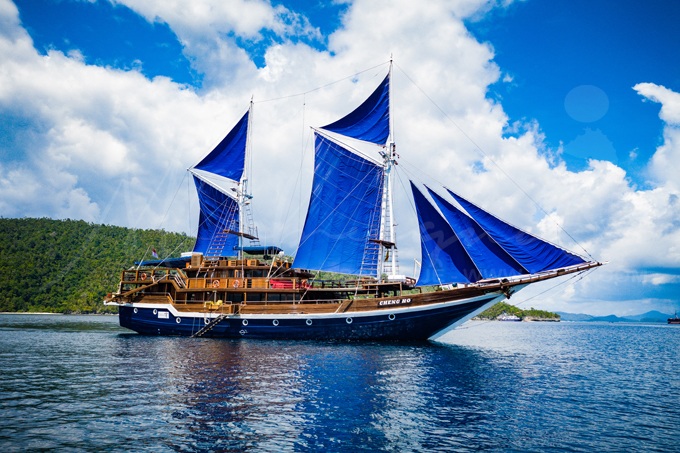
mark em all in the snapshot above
pixel 444 259
pixel 491 260
pixel 344 212
pixel 219 213
pixel 228 157
pixel 371 120
pixel 534 254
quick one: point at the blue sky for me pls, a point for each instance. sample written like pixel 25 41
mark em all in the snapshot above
pixel 573 63
pixel 552 48
pixel 105 104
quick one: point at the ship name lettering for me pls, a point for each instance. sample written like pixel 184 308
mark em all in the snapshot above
pixel 382 303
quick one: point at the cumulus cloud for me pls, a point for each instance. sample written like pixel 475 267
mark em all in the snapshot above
pixel 111 145
pixel 665 164
pixel 212 32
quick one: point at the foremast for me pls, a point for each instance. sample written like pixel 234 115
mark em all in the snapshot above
pixel 247 228
pixel 221 180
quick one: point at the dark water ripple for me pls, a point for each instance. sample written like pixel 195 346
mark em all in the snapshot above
pixel 81 383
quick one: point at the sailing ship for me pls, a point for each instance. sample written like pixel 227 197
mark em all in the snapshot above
pixel 227 287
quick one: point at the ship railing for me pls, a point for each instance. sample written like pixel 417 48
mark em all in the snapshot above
pixel 149 276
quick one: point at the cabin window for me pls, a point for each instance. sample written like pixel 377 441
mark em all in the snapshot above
pixel 278 297
pixel 255 297
pixel 236 297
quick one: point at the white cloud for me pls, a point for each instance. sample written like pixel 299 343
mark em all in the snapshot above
pixel 669 100
pixel 112 146
pixel 206 30
pixel 665 164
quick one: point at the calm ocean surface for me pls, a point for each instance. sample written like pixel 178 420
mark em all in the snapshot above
pixel 82 383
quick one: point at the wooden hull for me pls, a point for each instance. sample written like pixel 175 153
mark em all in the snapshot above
pixel 226 301
pixel 411 323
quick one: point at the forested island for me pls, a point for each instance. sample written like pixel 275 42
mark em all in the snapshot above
pixel 68 266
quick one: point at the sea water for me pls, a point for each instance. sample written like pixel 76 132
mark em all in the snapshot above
pixel 81 383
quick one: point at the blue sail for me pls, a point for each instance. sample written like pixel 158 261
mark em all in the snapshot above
pixel 491 260
pixel 443 260
pixel 371 120
pixel 532 253
pixel 218 213
pixel 228 158
pixel 343 214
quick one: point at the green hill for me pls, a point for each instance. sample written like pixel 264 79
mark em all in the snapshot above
pixel 68 266
pixel 503 307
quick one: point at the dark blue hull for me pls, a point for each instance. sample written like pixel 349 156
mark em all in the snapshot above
pixel 409 324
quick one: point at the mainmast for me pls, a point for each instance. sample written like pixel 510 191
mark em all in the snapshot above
pixel 349 226
pixel 388 238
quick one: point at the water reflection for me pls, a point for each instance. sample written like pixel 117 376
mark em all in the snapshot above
pixel 82 383
pixel 284 396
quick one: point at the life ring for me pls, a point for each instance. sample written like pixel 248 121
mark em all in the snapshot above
pixel 216 283
pixel 143 275
pixel 237 283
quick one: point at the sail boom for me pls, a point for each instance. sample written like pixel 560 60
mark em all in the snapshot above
pixel 336 139
pixel 241 234
pixel 211 182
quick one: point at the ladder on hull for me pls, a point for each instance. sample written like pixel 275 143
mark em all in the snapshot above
pixel 208 327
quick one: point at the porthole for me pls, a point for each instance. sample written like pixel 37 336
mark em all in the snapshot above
pixel 309 322
pixel 349 320
pixel 155 312
pixel 178 320
pixel 275 322
pixel 244 322
pixel 135 310
pixel 391 317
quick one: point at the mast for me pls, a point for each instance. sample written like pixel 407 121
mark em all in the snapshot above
pixel 221 213
pixel 348 227
pixel 242 193
pixel 388 237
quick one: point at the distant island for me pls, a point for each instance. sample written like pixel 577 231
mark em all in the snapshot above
pixel 650 316
pixel 503 310
pixel 497 311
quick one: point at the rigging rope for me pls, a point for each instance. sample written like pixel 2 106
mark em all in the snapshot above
pixel 322 86
pixel 484 154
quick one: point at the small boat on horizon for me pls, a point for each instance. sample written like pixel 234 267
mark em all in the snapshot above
pixel 343 282
pixel 675 319
pixel 508 317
